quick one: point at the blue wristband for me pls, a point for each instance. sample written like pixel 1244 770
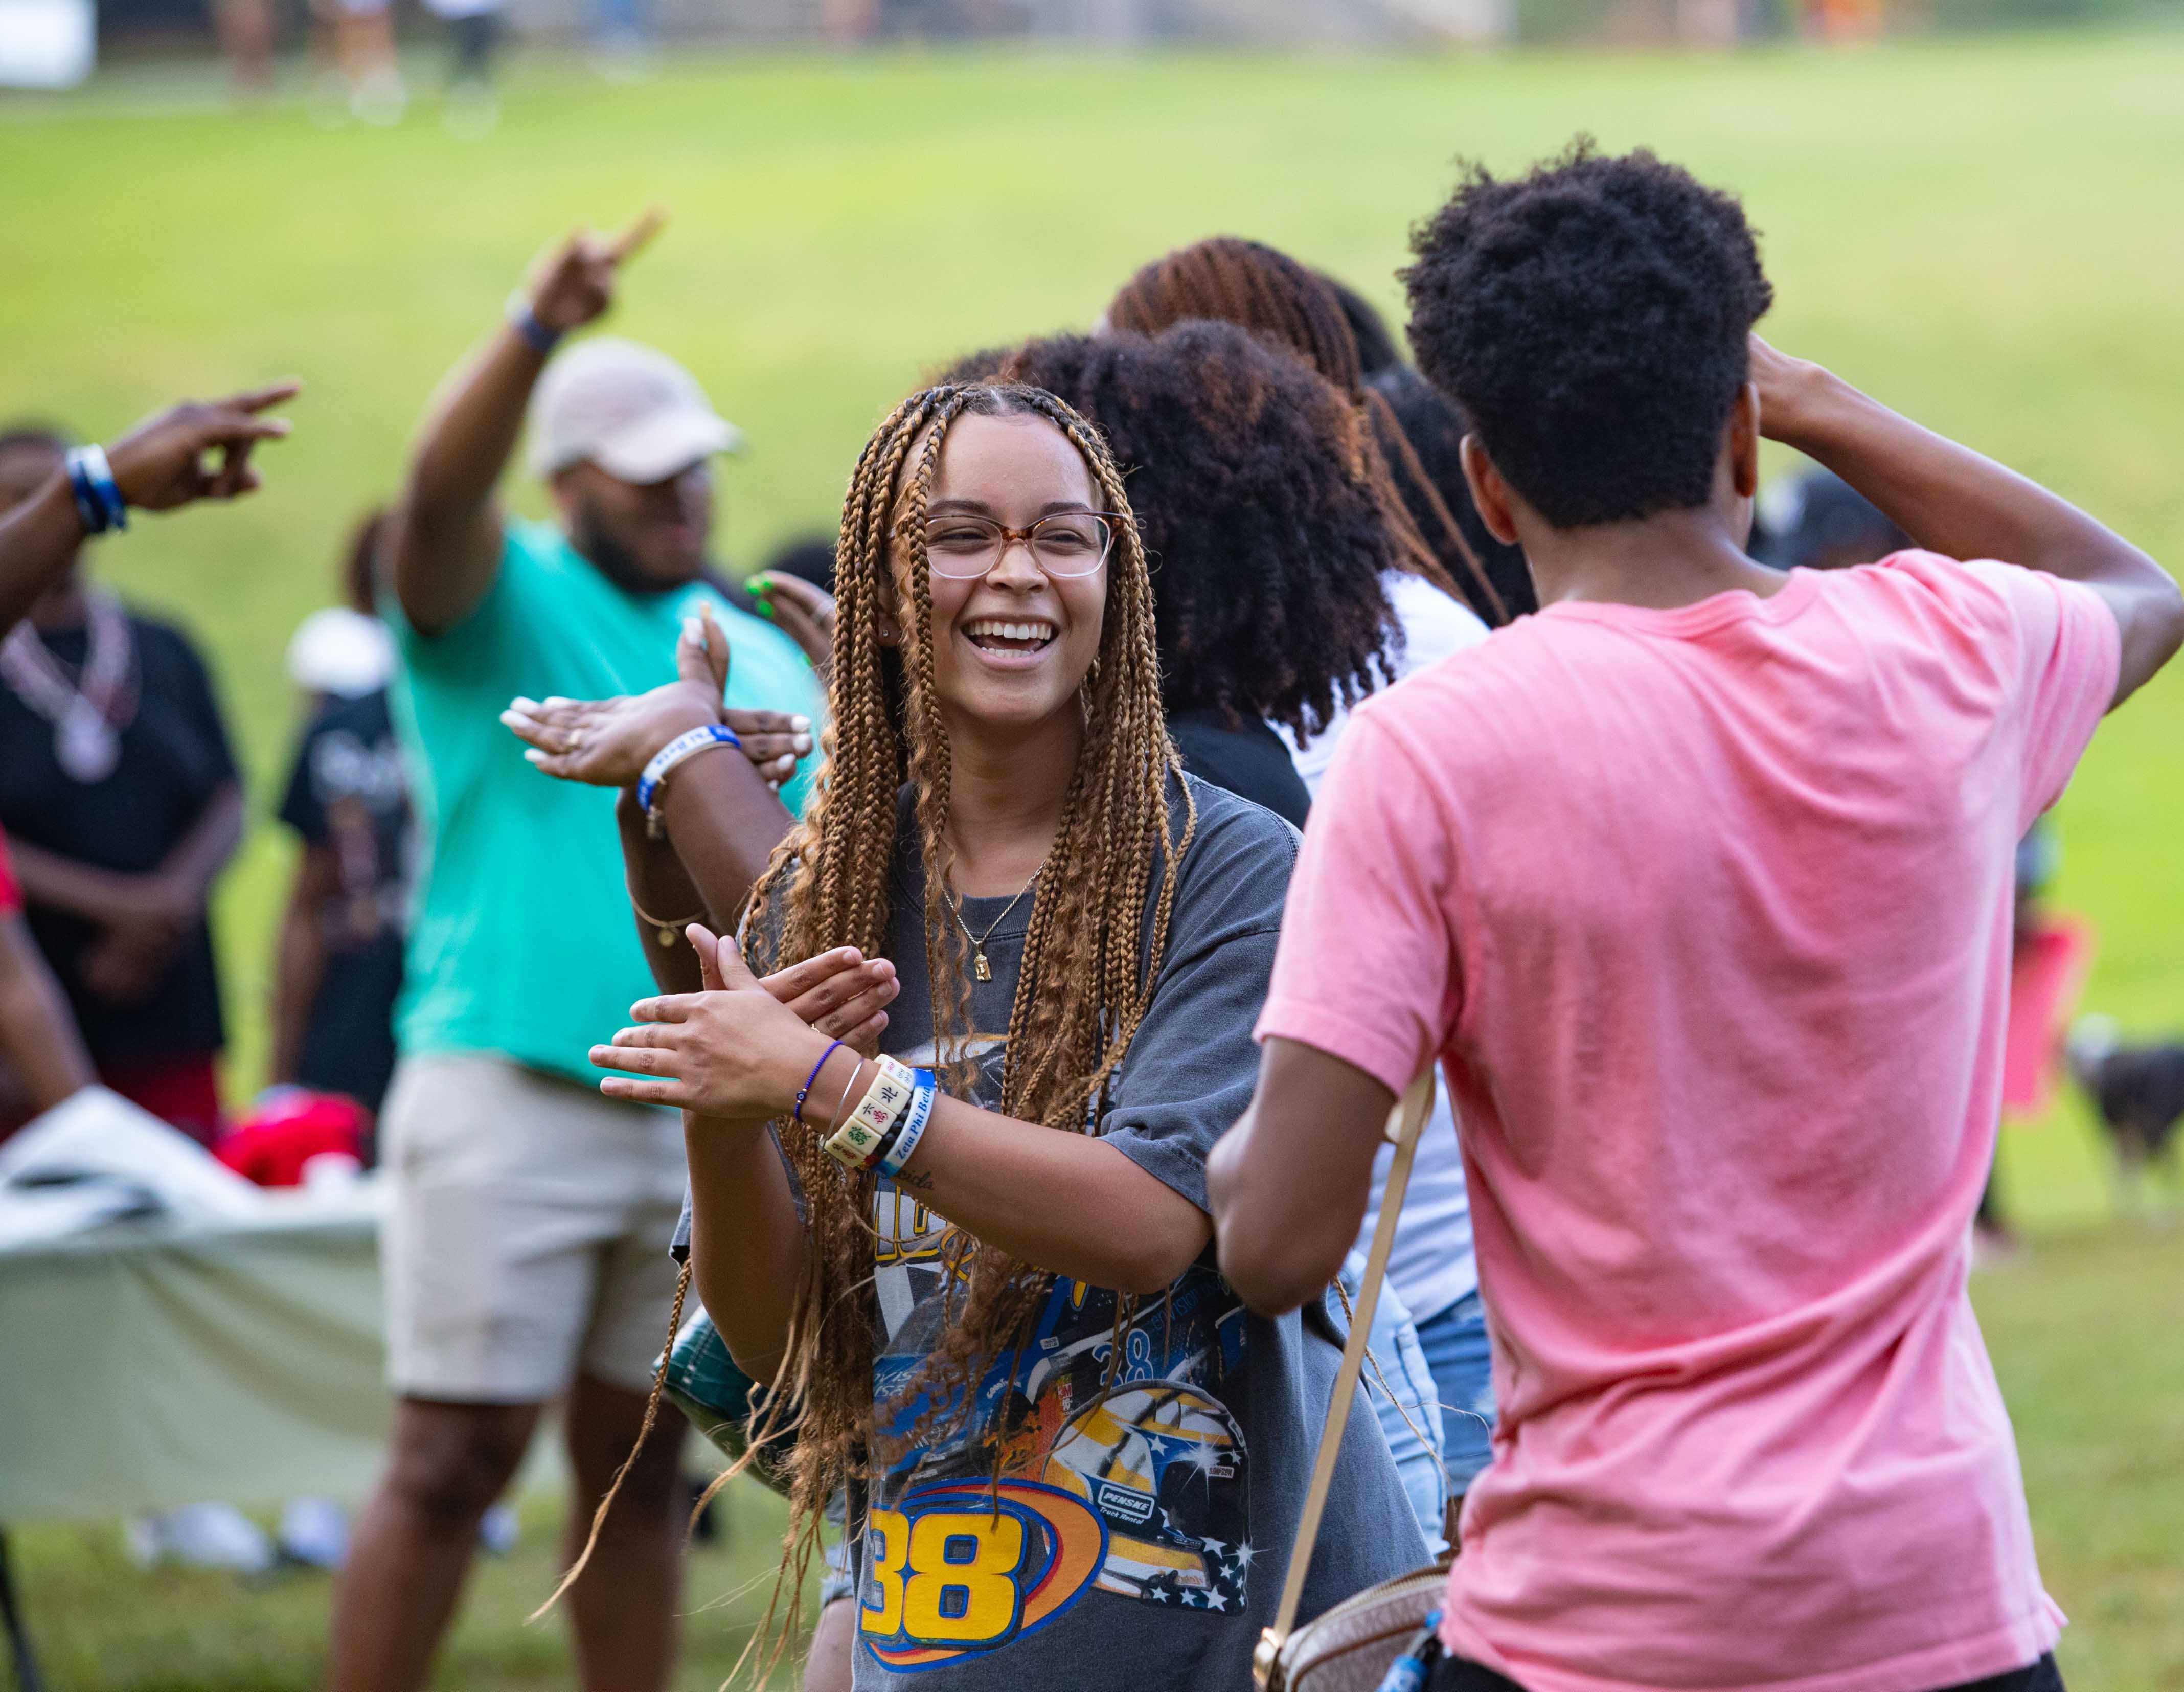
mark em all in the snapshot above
pixel 525 321
pixel 911 1129
pixel 98 498
pixel 684 745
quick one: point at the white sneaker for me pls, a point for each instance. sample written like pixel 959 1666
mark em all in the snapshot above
pixel 314 1531
pixel 215 1536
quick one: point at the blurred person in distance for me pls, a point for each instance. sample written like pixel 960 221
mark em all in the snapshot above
pixel 338 965
pixel 245 28
pixel 353 42
pixel 474 29
pixel 528 1215
pixel 121 793
pixel 165 462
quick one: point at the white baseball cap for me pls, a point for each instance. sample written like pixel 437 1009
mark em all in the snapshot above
pixel 341 652
pixel 629 409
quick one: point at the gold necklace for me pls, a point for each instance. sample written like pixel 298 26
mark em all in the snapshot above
pixel 979 967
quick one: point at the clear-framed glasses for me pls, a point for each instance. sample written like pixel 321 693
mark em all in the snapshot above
pixel 965 546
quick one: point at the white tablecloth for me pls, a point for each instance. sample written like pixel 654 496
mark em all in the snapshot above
pixel 147 1366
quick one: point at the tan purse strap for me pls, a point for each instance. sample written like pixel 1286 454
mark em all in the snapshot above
pixel 1404 1123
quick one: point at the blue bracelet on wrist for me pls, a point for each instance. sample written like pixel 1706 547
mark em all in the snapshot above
pixel 98 498
pixel 805 1091
pixel 525 321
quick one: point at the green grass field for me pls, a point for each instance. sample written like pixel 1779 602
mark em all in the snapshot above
pixel 1988 235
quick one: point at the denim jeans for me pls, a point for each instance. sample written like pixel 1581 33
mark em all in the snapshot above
pixel 1457 1352
pixel 1400 1387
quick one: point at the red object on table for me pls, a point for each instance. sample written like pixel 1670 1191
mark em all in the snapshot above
pixel 271 1145
pixel 2047 975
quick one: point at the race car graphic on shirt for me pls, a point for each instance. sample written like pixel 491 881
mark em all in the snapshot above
pixel 1120 1470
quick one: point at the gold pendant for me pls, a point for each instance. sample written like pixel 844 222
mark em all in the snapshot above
pixel 666 936
pixel 980 968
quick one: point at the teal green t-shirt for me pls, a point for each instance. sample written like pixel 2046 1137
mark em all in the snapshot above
pixel 521 942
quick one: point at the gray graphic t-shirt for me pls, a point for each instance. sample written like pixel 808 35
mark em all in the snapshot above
pixel 1138 1531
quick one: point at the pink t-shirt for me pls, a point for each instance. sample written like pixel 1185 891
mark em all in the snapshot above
pixel 1707 912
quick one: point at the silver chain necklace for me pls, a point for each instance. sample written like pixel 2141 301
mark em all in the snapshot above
pixel 88 710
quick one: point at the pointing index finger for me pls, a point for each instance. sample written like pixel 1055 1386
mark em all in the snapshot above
pixel 258 398
pixel 633 240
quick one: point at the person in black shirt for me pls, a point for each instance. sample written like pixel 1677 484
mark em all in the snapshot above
pixel 1268 546
pixel 119 796
pixel 339 965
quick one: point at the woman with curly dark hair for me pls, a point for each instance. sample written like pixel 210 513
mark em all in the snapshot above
pixel 1270 294
pixel 1268 543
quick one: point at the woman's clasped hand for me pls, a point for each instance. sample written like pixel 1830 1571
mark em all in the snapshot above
pixel 607 742
pixel 742 1047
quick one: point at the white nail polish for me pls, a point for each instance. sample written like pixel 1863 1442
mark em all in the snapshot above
pixel 799 723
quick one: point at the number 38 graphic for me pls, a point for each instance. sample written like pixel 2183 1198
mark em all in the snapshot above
pixel 961 1568
pixel 944 1577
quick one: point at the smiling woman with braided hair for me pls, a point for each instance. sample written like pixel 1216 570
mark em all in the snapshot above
pixel 975 1283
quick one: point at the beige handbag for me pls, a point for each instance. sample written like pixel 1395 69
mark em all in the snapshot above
pixel 1350 1647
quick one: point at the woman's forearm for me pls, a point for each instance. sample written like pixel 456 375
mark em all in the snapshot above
pixel 1065 1202
pixel 661 900
pixel 748 1245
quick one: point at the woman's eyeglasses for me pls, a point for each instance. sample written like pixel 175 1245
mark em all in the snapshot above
pixel 1067 544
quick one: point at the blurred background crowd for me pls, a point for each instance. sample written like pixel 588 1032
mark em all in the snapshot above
pixel 209 818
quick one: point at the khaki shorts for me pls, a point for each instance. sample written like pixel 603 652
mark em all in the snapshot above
pixel 526 1231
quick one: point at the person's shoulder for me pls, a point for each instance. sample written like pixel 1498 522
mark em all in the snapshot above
pixel 1235 823
pixel 1239 852
pixel 1966 596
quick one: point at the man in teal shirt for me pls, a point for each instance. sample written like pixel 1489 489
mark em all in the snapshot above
pixel 524 1246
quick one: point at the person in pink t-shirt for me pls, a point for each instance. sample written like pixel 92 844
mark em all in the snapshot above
pixel 1697 886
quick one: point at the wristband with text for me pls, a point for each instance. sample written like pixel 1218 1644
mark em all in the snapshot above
pixel 911 1129
pixel 685 745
